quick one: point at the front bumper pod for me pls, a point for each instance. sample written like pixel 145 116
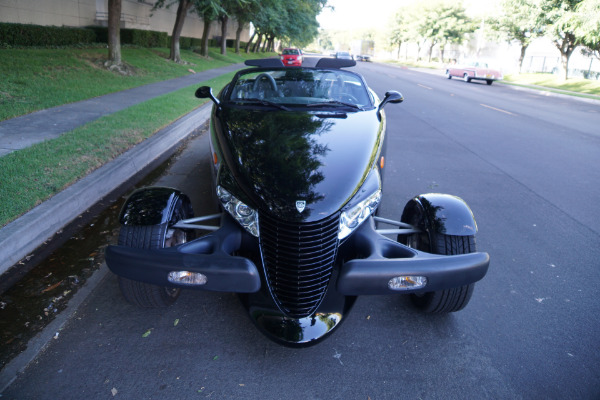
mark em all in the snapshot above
pixel 384 259
pixel 209 256
pixel 381 259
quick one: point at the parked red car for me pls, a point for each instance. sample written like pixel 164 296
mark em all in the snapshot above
pixel 291 57
pixel 474 70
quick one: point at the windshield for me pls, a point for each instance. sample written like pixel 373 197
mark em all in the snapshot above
pixel 294 52
pixel 300 87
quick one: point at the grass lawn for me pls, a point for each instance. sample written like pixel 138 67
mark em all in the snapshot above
pixel 578 85
pixel 35 79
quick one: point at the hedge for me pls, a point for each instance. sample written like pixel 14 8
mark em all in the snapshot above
pixel 47 36
pixel 37 35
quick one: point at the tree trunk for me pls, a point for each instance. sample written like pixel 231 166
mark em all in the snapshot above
pixel 256 46
pixel 566 47
pixel 182 10
pixel 399 46
pixel 114 33
pixel 205 33
pixel 250 42
pixel 238 35
pixel 522 56
pixel 224 21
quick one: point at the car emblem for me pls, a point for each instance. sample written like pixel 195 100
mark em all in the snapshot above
pixel 300 205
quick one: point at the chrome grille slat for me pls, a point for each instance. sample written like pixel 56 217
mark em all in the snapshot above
pixel 298 259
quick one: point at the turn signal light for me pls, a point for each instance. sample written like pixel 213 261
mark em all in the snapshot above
pixel 407 282
pixel 187 278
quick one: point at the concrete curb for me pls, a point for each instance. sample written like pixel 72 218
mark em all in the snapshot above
pixel 22 236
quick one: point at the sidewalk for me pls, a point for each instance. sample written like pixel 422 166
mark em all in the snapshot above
pixel 22 236
pixel 18 133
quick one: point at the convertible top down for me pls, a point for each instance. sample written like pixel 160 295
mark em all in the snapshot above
pixel 297 161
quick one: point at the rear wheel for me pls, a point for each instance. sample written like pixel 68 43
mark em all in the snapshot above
pixel 489 81
pixel 466 78
pixel 160 236
pixel 448 75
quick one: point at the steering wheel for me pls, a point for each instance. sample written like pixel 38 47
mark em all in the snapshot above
pixel 270 79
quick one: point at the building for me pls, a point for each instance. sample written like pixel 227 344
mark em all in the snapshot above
pixel 135 14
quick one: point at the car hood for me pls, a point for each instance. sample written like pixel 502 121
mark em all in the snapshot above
pixel 279 158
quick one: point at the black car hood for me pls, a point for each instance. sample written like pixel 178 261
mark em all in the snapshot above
pixel 279 158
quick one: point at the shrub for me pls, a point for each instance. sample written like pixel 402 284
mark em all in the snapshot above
pixel 44 36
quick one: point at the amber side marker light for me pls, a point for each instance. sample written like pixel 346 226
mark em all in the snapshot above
pixel 382 162
pixel 215 159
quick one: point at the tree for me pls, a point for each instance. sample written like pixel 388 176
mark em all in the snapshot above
pixel 114 33
pixel 561 24
pixel 588 27
pixel 183 7
pixel 203 8
pixel 209 10
pixel 243 11
pixel 519 22
pixel 399 31
pixel 435 23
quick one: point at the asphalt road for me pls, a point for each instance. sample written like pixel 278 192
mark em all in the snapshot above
pixel 527 165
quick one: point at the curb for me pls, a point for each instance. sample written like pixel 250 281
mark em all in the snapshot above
pixel 23 236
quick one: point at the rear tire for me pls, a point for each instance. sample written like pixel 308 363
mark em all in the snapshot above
pixel 466 78
pixel 489 81
pixel 143 294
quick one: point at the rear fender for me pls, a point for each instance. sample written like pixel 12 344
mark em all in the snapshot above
pixel 152 206
pixel 437 213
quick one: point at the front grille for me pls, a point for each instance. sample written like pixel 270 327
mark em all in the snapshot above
pixel 298 260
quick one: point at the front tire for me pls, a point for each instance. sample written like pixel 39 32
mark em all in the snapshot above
pixel 143 294
pixel 447 300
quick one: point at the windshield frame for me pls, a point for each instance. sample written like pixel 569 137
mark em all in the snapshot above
pixel 368 99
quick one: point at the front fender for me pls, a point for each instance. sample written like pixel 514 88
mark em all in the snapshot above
pixel 440 213
pixel 152 206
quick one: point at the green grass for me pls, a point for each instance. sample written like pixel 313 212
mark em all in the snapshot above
pixel 549 81
pixel 34 174
pixel 35 79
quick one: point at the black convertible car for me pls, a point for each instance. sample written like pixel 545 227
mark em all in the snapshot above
pixel 298 155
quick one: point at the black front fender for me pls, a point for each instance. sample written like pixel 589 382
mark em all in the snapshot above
pixel 440 213
pixel 152 206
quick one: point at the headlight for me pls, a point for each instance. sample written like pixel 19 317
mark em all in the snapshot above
pixel 356 215
pixel 244 215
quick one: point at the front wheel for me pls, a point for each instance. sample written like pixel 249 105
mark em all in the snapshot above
pixel 447 300
pixel 143 294
pixel 448 75
pixel 489 81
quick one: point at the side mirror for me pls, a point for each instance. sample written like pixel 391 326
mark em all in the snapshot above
pixel 390 97
pixel 205 92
